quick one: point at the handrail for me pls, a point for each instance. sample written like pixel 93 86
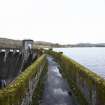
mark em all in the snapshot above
pixel 19 92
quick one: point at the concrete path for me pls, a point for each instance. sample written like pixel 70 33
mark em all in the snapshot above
pixel 56 91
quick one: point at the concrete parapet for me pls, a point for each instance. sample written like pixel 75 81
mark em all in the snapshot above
pixel 88 87
pixel 20 91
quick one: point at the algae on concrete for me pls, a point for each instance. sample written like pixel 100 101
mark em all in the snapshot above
pixel 88 87
pixel 15 92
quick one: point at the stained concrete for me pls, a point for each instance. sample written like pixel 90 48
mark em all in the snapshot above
pixel 56 90
pixel 12 63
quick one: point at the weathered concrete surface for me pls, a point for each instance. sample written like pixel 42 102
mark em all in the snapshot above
pixel 12 63
pixel 88 87
pixel 56 90
pixel 21 90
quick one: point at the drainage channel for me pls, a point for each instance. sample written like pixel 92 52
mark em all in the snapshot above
pixel 56 89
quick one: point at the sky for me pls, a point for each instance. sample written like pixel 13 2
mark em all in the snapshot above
pixel 57 21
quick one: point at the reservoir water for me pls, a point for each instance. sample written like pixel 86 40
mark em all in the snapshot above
pixel 92 57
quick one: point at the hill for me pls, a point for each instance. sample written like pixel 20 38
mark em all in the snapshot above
pixel 10 43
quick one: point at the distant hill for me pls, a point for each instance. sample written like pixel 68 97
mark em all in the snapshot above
pixel 87 45
pixel 10 43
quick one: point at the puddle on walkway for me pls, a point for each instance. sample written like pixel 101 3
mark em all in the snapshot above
pixel 56 90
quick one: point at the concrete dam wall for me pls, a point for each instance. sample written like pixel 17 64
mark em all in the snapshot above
pixel 26 70
pixel 21 70
pixel 13 62
pixel 20 91
pixel 87 87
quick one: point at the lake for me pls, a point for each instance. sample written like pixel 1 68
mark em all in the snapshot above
pixel 92 57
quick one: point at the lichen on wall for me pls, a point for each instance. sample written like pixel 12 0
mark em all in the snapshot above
pixel 88 87
pixel 20 91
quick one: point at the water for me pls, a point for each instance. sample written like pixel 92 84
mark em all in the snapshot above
pixel 92 58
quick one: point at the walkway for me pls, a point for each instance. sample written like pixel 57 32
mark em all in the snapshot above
pixel 56 91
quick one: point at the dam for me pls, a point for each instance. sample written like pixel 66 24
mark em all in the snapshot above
pixel 32 76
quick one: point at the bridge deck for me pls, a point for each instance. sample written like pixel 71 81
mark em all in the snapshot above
pixel 56 91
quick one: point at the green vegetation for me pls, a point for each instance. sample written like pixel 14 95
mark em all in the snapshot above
pixel 37 95
pixel 81 78
pixel 14 92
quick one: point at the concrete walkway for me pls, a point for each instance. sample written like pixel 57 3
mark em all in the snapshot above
pixel 56 90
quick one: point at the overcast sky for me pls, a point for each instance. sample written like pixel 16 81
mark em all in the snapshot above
pixel 62 21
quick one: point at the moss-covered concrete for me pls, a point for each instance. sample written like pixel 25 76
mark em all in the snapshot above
pixel 14 92
pixel 88 87
pixel 37 95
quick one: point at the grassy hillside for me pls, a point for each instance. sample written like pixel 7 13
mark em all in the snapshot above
pixel 10 43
